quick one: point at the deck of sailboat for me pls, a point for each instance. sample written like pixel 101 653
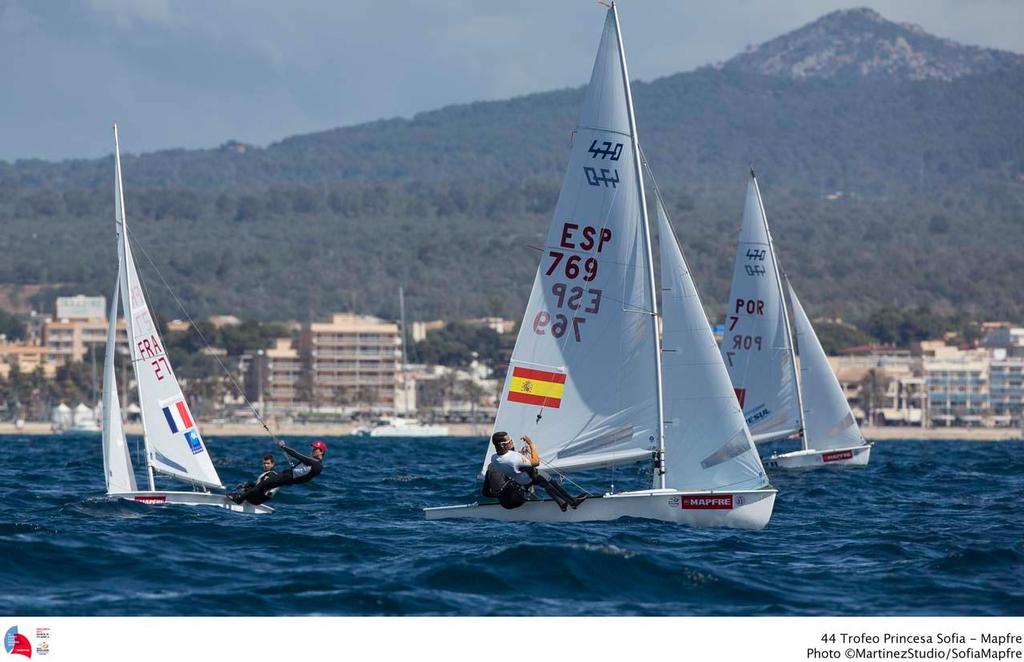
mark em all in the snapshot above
pixel 168 498
pixel 810 458
pixel 740 509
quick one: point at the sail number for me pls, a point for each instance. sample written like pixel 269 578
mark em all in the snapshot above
pixel 756 255
pixel 742 342
pixel 149 348
pixel 573 264
pixel 604 150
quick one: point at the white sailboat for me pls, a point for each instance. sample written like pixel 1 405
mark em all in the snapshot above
pixel 831 434
pixel 759 351
pixel 585 379
pixel 174 447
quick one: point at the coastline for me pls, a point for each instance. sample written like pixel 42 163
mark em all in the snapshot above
pixel 482 430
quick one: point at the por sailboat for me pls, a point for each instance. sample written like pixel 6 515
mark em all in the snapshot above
pixel 174 447
pixel 588 380
pixel 759 351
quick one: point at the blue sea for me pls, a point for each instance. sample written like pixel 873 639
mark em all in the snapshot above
pixel 929 528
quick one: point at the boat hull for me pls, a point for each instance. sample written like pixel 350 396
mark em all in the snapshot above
pixel 855 456
pixel 742 509
pixel 190 499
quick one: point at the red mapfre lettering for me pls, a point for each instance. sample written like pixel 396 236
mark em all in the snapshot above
pixel 151 499
pixel 837 456
pixel 714 502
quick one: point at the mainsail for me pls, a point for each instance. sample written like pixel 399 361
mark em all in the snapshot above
pixel 173 444
pixel 756 343
pixel 828 420
pixel 583 378
pixel 117 463
pixel 707 444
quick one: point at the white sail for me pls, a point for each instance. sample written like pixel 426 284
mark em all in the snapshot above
pixel 117 463
pixel 756 342
pixel 173 444
pixel 707 443
pixel 828 421
pixel 583 378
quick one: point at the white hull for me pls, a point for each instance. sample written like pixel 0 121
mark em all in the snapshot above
pixel 855 456
pixel 743 509
pixel 190 499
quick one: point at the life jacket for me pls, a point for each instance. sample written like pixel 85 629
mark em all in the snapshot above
pixel 508 492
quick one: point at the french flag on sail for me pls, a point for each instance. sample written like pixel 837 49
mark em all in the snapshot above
pixel 176 414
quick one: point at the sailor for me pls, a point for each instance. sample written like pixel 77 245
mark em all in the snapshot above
pixel 511 473
pixel 256 498
pixel 303 470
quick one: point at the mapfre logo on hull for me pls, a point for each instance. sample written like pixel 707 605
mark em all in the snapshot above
pixel 716 502
pixel 838 456
pixel 151 499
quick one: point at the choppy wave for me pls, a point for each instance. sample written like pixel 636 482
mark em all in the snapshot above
pixel 928 528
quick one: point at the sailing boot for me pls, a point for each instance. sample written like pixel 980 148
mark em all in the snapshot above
pixel 576 501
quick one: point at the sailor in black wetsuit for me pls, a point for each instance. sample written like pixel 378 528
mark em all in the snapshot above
pixel 268 473
pixel 304 471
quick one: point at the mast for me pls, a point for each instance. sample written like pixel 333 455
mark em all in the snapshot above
pixel 405 386
pixel 635 145
pixel 126 296
pixel 785 312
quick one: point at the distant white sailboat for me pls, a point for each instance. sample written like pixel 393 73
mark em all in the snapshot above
pixel 586 377
pixel 759 351
pixel 174 447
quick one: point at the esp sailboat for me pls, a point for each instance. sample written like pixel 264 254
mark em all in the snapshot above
pixel 174 447
pixel 588 379
pixel 760 353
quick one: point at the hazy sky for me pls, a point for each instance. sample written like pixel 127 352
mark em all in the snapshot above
pixel 196 73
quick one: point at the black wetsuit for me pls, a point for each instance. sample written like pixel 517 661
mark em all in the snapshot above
pixel 306 470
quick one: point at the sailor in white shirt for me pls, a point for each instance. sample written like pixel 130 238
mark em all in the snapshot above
pixel 521 467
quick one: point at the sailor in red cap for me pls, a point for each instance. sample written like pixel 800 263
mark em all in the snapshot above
pixel 303 470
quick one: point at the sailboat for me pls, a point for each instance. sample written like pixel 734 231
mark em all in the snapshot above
pixel 759 351
pixel 174 447
pixel 588 379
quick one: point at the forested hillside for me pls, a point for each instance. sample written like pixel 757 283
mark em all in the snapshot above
pixel 881 189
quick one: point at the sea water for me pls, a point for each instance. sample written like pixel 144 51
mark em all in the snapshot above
pixel 929 528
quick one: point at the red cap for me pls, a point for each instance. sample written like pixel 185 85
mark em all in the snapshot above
pixel 319 444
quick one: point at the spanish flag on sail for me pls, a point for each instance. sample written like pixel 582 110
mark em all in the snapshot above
pixel 536 387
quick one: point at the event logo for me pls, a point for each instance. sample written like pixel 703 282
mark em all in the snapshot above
pixel 17 644
pixel 837 456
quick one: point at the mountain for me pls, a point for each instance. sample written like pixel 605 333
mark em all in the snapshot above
pixel 855 44
pixel 884 186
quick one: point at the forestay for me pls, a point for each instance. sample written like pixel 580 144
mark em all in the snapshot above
pixel 828 421
pixel 173 444
pixel 117 463
pixel 707 444
pixel 582 380
pixel 756 343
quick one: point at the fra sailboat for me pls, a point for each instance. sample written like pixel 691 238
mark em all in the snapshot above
pixel 588 379
pixel 174 447
pixel 759 351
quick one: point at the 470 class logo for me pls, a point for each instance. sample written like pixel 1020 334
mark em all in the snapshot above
pixel 16 643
